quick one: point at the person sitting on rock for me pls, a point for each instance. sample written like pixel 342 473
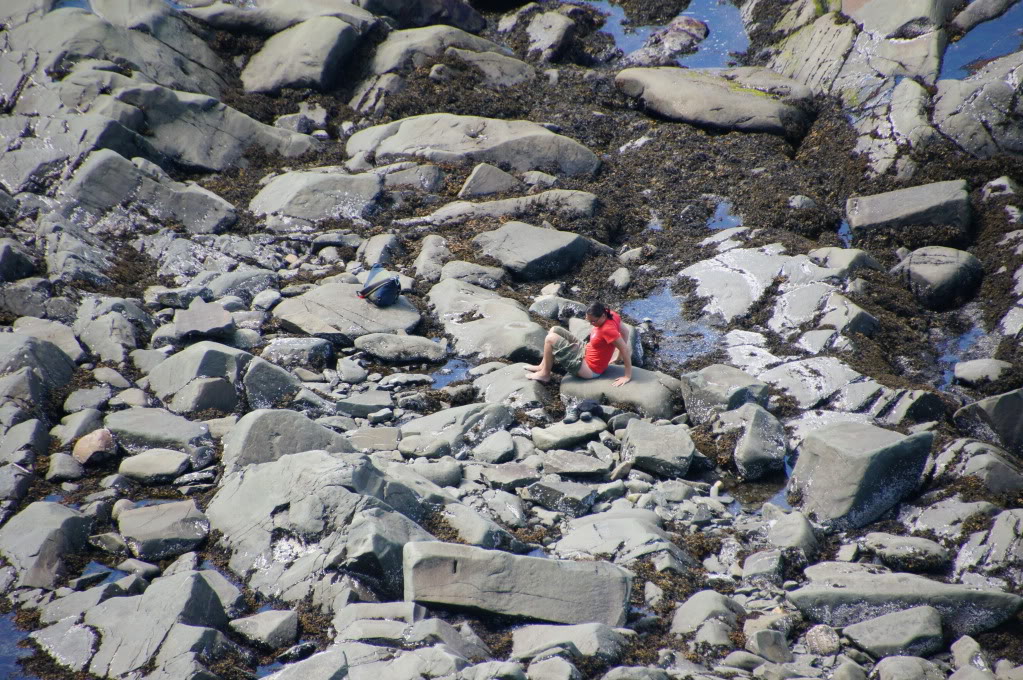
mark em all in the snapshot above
pixel 590 361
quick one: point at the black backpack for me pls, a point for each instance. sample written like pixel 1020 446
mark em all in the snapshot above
pixel 383 293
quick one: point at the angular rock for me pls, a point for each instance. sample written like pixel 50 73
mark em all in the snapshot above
pixel 311 353
pixel 409 13
pixel 849 474
pixel 703 606
pixel 907 668
pixel 549 590
pixel 309 196
pixel 979 371
pixel 51 331
pixel 533 253
pixel 584 640
pixel 203 320
pixel 911 632
pixel 651 393
pixel 308 54
pixel 907 553
pixel 565 203
pixel 665 450
pixel 273 629
pixel 511 386
pixel 401 348
pixel 444 137
pixel 155 466
pixel 336 313
pixel 566 435
pixel 416 47
pixel 485 179
pixel 762 446
pixel 941 278
pixel 155 532
pixel 719 388
pixel 570 498
pixel 46 360
pixel 36 540
pixel 942 204
pixel 68 642
pixel 267 385
pixel 150 428
pixel 14 261
pixel 995 419
pixel 268 434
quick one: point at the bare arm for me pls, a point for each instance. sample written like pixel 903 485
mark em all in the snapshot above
pixel 626 353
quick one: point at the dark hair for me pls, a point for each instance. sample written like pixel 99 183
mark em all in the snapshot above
pixel 598 309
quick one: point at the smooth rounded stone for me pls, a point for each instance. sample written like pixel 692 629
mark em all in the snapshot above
pixel 51 331
pixel 909 19
pixel 967 652
pixel 485 179
pixel 704 606
pixel 841 594
pixel 309 196
pixel 942 204
pixel 272 629
pixel 823 640
pixel 745 100
pixel 155 466
pixel 444 137
pixel 719 388
pixel 401 348
pixel 570 498
pixel 511 386
pixel 586 640
pixel 550 590
pixel 36 539
pixel 533 253
pixel 566 435
pixel 64 468
pixel 155 532
pixel 68 642
pixel 308 54
pixel 907 553
pixel 849 474
pixel 149 428
pixel 445 472
pixel 995 419
pixel 95 446
pixel 312 353
pixel 336 313
pixel 432 255
pixel 793 530
pixel 267 434
pixel 764 567
pixel 478 275
pixel 496 448
pixel 14 482
pixel 652 393
pixel 911 632
pixel 621 278
pixel 979 371
pixel 552 668
pixel 139 568
pixel 28 434
pixel 665 450
pixel 907 668
pixel 556 307
pixel 548 34
pixel 416 47
pixel 45 359
pixel 941 278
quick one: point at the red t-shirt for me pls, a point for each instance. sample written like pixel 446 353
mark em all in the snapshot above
pixel 601 346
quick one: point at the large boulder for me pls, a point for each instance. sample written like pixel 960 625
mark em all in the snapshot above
pixel 23 351
pixel 652 393
pixel 665 450
pixel 335 312
pixel 308 196
pixel 416 47
pixel 156 532
pixel 308 54
pixel 36 540
pixel 718 388
pixel 511 386
pixel 841 594
pixel 549 590
pixel 976 111
pixel 626 535
pixel 447 138
pixel 746 100
pixel 265 435
pixel 202 360
pixel 995 419
pixel 851 473
pixel 533 253
pixel 274 16
pixel 453 430
pixel 909 18
pixel 940 277
pixel 941 204
pixel 153 428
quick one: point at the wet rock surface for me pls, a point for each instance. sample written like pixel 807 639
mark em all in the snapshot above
pixel 218 461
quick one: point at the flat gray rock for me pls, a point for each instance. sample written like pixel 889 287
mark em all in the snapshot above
pixel 155 532
pixel 850 474
pixel 36 539
pixel 335 312
pixel 511 386
pixel 652 393
pixel 401 348
pixel 155 466
pixel 447 138
pixel 941 278
pixel 267 434
pixel 907 553
pixel 361 404
pixel 308 54
pixel 273 629
pixel 14 260
pixel 497 69
pixel 911 632
pixel 568 204
pixel 49 362
pixel 151 428
pixel 972 111
pixel 549 590
pixel 51 331
pixel 585 640
pixel 664 450
pixel 995 419
pixel 567 435
pixel 722 100
pixel 907 668
pixel 938 204
pixel 841 594
pixel 570 498
pixel 719 388
pixel 70 643
pixel 309 196
pixel 979 371
pixel 311 353
pixel 762 444
pixel 533 253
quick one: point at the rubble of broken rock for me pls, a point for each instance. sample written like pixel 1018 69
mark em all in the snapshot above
pixel 218 461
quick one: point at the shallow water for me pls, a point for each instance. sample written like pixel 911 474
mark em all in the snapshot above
pixel 727 33
pixel 995 38
pixel 845 234
pixel 723 217
pixel 953 350
pixel 10 652
pixel 453 370
pixel 681 339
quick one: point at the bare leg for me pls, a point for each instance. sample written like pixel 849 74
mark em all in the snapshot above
pixel 542 372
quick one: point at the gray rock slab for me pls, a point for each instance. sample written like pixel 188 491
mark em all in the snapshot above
pixel 907 553
pixel 64 468
pixel 268 385
pixel 941 278
pixel 911 632
pixel 710 99
pixel 155 532
pixel 313 353
pixel 549 590
pixel 273 629
pixel 585 640
pixel 995 419
pixel 762 445
pixel 267 434
pixel 155 466
pixel 665 450
pixel 849 474
pixel 308 54
pixel 47 360
pixel 719 388
pixel 51 331
pixel 566 435
pixel 311 196
pixel 938 204
pixel 703 606
pixel 627 535
pixel 203 320
pixel 336 313
pixel 575 465
pixel 565 203
pixel 533 253
pixel 651 393
pixel 974 111
pixel 401 348
pixel 150 428
pixel 361 404
pixel 841 594
pixel 509 385
pixel 36 539
pixel 497 69
pixel 571 498
pixel 979 371
pixel 443 137
pixel 69 643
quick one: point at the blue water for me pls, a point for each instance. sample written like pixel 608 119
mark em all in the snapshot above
pixel 78 4
pixel 953 350
pixel 10 652
pixel 268 669
pixel 995 38
pixel 727 33
pixel 681 339
pixel 845 234
pixel 454 369
pixel 723 217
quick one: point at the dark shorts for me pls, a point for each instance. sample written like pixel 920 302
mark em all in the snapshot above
pixel 569 352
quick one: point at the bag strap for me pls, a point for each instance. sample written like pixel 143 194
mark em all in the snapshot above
pixel 369 289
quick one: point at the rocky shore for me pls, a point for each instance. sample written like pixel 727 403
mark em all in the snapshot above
pixel 218 462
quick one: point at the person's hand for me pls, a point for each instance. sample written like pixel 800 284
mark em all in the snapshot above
pixel 621 381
